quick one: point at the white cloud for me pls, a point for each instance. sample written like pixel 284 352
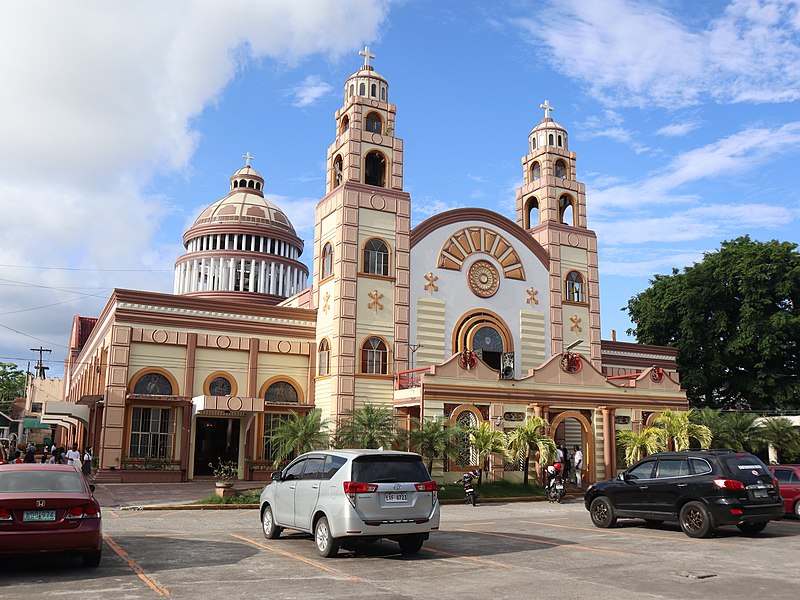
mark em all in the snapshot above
pixel 100 97
pixel 425 206
pixel 636 54
pixel 678 129
pixel 311 89
pixel 645 265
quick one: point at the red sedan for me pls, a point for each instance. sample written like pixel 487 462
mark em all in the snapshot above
pixel 788 477
pixel 48 508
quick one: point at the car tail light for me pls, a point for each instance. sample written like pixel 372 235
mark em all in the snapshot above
pixel 351 488
pixel 84 511
pixel 736 511
pixel 427 486
pixel 777 486
pixel 4 514
pixel 729 484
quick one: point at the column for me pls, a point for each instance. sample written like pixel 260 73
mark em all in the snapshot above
pixel 262 280
pixel 280 280
pixel 608 441
pixel 231 276
pixel 272 278
pixel 202 280
pixel 241 275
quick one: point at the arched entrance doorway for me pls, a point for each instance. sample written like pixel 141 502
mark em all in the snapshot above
pixel 572 428
pixel 485 333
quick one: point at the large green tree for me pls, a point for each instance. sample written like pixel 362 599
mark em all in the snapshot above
pixel 12 385
pixel 735 319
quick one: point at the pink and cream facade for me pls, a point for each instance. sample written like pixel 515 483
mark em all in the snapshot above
pixel 468 317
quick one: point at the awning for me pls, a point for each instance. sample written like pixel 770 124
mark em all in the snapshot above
pixel 90 400
pixel 227 406
pixel 68 411
pixel 33 423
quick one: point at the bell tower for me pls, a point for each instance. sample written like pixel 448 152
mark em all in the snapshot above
pixel 551 206
pixel 361 253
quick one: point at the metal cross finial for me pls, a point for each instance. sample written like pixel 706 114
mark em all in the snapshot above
pixel 247 158
pixel 547 108
pixel 366 54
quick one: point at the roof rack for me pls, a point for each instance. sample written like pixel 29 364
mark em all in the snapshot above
pixel 710 450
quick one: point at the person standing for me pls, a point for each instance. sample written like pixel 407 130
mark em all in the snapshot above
pixel 73 455
pixel 30 454
pixel 565 469
pixel 578 467
pixel 86 467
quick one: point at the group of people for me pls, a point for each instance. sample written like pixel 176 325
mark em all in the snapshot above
pixel 570 464
pixel 52 455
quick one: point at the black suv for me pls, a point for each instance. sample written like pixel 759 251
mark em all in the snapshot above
pixel 701 489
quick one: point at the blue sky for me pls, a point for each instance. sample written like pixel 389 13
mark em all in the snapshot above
pixel 122 121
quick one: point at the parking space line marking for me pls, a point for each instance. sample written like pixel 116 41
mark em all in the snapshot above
pixel 297 557
pixel 168 535
pixel 486 523
pixel 617 531
pixel 478 560
pixel 538 541
pixel 152 583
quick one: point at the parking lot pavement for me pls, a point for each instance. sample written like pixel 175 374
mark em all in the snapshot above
pixel 523 550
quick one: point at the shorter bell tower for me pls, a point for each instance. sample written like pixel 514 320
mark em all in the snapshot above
pixel 551 206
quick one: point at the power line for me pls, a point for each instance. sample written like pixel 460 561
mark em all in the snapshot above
pixel 94 270
pixel 33 337
pixel 81 297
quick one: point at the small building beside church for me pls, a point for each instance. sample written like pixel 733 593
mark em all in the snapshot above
pixel 468 317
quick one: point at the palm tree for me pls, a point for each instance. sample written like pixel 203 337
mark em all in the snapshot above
pixel 638 445
pixel 370 426
pixel 780 434
pixel 300 433
pixel 531 436
pixel 715 420
pixel 433 440
pixel 674 430
pixel 742 433
pixel 487 442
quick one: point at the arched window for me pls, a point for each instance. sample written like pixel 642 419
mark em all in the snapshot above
pixel 574 287
pixel 324 358
pixel 153 384
pixel 345 125
pixel 235 183
pixel 258 186
pixel 561 169
pixel 242 183
pixel 373 123
pixel 532 214
pixel 566 212
pixel 374 91
pixel 488 342
pixel 559 141
pixel 251 184
pixel 467 456
pixel 374 357
pixel 485 333
pixel 533 144
pixel 536 171
pixel 220 386
pixel 281 391
pixel 337 171
pixel 362 89
pixel 383 94
pixel 352 89
pixel 326 268
pixel 375 169
pixel 550 139
pixel 376 257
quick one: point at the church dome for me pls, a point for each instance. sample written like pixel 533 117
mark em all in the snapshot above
pixel 366 82
pixel 242 244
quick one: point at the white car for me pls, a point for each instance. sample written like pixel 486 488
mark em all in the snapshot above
pixel 366 494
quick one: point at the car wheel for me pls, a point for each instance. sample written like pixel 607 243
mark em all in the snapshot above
pixel 411 544
pixel 695 520
pixel 91 559
pixel 326 545
pixel 271 531
pixel 752 528
pixel 602 512
pixel 653 522
pixel 797 509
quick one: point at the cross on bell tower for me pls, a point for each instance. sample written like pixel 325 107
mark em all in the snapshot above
pixel 247 158
pixel 548 108
pixel 366 54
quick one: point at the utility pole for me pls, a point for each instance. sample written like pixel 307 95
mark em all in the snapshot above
pixel 40 368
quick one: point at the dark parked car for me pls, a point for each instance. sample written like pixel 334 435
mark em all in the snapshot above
pixel 48 508
pixel 701 490
pixel 788 477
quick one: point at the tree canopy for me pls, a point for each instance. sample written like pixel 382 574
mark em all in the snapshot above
pixel 12 385
pixel 735 320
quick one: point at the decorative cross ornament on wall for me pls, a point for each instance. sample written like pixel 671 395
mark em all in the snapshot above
pixel 576 320
pixel 531 299
pixel 431 285
pixel 326 302
pixel 375 305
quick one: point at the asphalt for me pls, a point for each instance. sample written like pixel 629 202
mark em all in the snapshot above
pixel 121 495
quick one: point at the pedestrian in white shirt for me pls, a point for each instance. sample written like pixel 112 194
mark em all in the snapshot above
pixel 73 455
pixel 578 466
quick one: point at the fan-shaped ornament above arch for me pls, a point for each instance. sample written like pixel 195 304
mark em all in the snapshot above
pixel 472 240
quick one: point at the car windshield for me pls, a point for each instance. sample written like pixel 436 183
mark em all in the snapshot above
pixel 40 481
pixel 746 468
pixel 389 469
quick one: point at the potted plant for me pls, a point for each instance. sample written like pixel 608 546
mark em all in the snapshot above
pixel 225 471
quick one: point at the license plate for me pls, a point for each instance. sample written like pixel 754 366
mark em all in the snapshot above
pixel 37 516
pixel 397 497
pixel 759 493
pixel 559 486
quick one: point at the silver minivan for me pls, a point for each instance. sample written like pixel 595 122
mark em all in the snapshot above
pixel 340 494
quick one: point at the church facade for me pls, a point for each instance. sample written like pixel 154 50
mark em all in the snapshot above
pixel 468 317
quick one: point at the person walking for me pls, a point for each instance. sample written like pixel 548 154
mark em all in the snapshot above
pixel 86 467
pixel 578 467
pixel 73 454
pixel 30 454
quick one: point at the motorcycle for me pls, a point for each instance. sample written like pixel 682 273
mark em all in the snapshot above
pixel 470 495
pixel 555 485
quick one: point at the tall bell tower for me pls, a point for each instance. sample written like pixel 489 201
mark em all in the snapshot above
pixel 361 253
pixel 551 205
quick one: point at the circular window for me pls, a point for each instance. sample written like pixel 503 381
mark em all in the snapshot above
pixel 487 339
pixel 220 386
pixel 483 279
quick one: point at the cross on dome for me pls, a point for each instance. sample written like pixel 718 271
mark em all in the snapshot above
pixel 247 158
pixel 366 54
pixel 547 108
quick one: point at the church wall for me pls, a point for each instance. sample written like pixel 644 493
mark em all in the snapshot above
pixel 533 335
pixel 234 363
pixel 373 390
pixel 429 328
pixel 168 358
pixel 284 367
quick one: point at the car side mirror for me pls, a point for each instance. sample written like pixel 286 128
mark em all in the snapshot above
pixel 623 476
pixel 92 487
pixel 276 476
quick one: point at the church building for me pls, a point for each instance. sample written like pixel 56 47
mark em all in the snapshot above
pixel 468 317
